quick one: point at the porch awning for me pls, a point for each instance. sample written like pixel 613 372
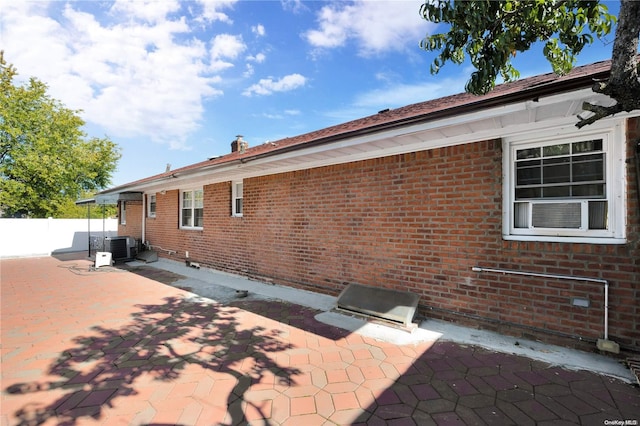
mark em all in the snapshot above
pixel 107 199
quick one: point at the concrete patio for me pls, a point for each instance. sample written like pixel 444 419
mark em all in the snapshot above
pixel 144 345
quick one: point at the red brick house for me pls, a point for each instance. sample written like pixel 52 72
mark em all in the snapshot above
pixel 418 198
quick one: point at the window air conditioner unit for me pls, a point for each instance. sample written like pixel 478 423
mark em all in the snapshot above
pixel 578 215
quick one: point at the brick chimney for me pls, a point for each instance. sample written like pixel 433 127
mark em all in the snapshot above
pixel 239 145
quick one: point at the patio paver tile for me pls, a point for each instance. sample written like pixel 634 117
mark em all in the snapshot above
pixel 120 348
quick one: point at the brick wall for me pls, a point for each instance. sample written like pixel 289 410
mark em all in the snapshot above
pixel 133 227
pixel 415 222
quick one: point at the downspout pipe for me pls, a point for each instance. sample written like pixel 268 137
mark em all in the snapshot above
pixel 637 156
pixel 605 283
pixel 144 218
pixel 89 228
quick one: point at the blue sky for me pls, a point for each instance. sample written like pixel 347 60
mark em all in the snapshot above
pixel 174 82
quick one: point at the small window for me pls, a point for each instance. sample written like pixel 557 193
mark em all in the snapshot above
pixel 152 206
pixel 192 209
pixel 123 213
pixel 565 188
pixel 236 198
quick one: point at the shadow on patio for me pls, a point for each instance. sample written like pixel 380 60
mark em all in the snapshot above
pixel 161 342
pixel 113 347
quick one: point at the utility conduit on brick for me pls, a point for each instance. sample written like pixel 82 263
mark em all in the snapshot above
pixel 560 277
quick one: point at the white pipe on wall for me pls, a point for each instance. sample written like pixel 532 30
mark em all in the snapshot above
pixel 144 218
pixel 560 277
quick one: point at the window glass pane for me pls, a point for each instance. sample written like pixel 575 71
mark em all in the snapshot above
pixel 236 202
pixel 199 199
pixel 123 213
pixel 522 154
pixel 521 215
pixel 588 168
pixel 587 146
pixel 596 190
pixel 199 217
pixel 187 199
pixel 529 163
pixel 557 173
pixel 556 160
pixel 524 193
pixel 186 217
pixel 553 150
pixel 152 205
pixel 556 191
pixel 528 175
pixel 598 215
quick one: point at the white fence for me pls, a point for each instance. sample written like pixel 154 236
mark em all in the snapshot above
pixel 43 237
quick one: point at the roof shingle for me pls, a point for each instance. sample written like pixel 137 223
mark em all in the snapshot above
pixel 447 106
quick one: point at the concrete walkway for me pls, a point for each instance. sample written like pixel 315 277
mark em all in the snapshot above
pixel 123 347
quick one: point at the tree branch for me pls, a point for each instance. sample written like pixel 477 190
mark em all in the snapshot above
pixel 598 111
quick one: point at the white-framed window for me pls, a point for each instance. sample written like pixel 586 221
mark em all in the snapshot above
pixel 236 198
pixel 151 205
pixel 565 186
pixel 192 209
pixel 123 212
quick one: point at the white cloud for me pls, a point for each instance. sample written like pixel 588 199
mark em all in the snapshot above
pixel 375 26
pixel 334 27
pixel 289 112
pixel 258 30
pixel 295 6
pixel 272 116
pixel 138 76
pixel 225 46
pixel 267 86
pixel 148 10
pixel 249 68
pixel 258 58
pixel 398 95
pixel 248 71
pixel 211 10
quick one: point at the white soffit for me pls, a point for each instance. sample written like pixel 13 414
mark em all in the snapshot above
pixel 502 121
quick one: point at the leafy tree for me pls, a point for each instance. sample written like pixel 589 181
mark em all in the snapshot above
pixel 492 32
pixel 45 157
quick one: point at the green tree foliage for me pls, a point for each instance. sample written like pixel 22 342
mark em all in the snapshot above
pixel 70 210
pixel 46 159
pixel 491 33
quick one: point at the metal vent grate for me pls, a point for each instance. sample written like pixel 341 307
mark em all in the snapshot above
pixel 556 215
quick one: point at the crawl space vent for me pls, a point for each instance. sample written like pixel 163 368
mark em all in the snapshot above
pixel 396 307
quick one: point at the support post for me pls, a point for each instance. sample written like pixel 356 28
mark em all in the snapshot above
pixel 89 227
